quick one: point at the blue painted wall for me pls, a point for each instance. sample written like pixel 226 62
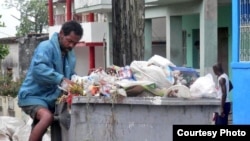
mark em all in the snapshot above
pixel 240 75
pixel 241 93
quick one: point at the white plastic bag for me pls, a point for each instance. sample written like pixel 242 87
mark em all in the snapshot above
pixel 203 86
pixel 160 61
pixel 8 126
pixel 179 90
pixel 14 129
pixel 144 72
pixel 125 83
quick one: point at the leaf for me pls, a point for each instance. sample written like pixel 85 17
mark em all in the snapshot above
pixel 33 15
pixel 4 51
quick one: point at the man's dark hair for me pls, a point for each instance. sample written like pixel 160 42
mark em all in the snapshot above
pixel 218 67
pixel 72 25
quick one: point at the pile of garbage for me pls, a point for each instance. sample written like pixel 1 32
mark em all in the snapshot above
pixel 156 77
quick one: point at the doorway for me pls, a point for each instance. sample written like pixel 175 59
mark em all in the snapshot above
pixel 196 48
pixel 222 48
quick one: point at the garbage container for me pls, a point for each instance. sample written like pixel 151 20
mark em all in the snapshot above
pixel 135 118
pixel 61 124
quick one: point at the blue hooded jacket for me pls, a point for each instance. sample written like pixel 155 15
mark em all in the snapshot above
pixel 46 71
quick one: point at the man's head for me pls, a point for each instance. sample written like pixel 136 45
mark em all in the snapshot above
pixel 70 34
pixel 217 68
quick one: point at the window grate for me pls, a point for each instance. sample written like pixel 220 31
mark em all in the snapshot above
pixel 244 49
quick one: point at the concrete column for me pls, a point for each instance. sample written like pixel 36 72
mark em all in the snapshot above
pixel 5 105
pixel 148 39
pixel 91 18
pixel 208 36
pixel 176 48
pixel 168 52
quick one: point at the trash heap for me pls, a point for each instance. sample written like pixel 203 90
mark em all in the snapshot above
pixel 156 77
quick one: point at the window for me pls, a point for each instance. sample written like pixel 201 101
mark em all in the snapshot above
pixel 244 48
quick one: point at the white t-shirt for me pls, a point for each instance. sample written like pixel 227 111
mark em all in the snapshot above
pixel 227 87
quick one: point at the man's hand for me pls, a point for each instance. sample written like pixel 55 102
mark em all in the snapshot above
pixel 66 83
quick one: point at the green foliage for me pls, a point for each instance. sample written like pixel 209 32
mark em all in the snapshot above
pixel 9 87
pixel 76 89
pixel 4 51
pixel 1 23
pixel 33 15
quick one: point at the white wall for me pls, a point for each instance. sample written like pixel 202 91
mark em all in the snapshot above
pixel 59 9
pixel 82 63
pixel 93 32
pixel 87 3
pixel 8 105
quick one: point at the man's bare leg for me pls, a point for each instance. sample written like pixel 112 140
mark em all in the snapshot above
pixel 45 119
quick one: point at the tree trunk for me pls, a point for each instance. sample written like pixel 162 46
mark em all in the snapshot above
pixel 128 31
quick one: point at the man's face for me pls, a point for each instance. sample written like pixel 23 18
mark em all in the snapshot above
pixel 67 43
pixel 215 71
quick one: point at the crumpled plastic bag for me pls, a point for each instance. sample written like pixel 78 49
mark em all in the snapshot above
pixel 160 61
pixel 203 86
pixel 178 90
pixel 8 126
pixel 15 129
pixel 153 73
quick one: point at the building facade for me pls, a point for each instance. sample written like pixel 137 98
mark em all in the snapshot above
pixel 240 61
pixel 172 29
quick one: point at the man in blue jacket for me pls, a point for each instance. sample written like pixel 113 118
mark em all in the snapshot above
pixel 52 64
